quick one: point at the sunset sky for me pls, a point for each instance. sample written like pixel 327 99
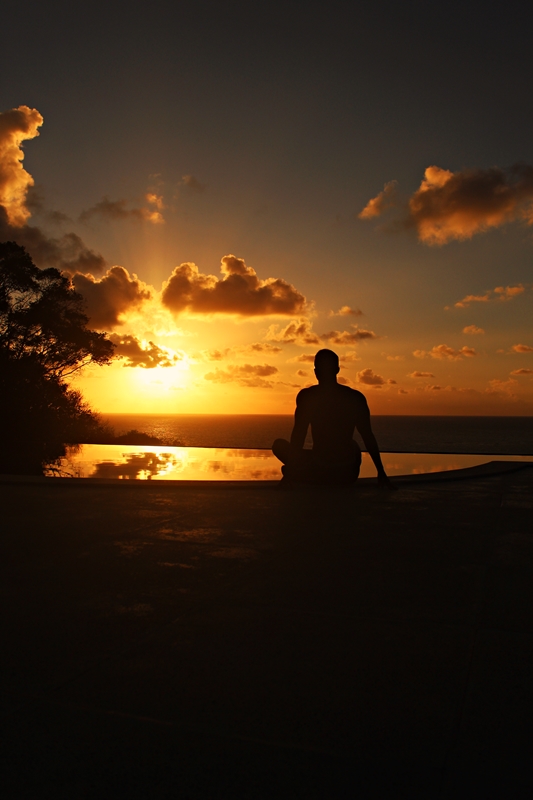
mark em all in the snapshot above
pixel 232 186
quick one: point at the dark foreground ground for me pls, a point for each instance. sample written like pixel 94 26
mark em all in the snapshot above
pixel 196 642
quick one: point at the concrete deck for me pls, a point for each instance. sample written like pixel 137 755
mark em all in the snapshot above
pixel 173 641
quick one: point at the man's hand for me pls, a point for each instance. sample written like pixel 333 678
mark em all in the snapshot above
pixel 384 483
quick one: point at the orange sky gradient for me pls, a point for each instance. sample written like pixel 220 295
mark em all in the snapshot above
pixel 224 223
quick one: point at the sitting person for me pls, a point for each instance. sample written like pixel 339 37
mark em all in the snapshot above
pixel 333 411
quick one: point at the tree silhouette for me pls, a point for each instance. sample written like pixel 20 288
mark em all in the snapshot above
pixel 44 339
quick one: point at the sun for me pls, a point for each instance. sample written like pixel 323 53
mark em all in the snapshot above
pixel 162 380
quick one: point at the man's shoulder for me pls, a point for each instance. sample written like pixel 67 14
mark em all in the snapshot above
pixel 354 395
pixel 306 394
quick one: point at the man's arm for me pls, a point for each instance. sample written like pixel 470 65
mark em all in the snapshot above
pixel 367 435
pixel 301 424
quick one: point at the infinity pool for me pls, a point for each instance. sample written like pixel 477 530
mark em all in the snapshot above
pixel 134 462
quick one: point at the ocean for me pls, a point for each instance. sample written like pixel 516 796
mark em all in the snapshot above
pixel 395 434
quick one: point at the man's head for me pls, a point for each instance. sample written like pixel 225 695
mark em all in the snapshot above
pixel 326 365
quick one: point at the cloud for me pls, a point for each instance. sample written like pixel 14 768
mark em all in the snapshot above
pixel 346 311
pixel 259 347
pixel 215 355
pixel 111 210
pixel 444 352
pixel 500 293
pixel 255 347
pixel 142 354
pixel 370 378
pixel 67 253
pixel 303 358
pixel 499 387
pixel 36 205
pixel 109 297
pixel 193 184
pixel 302 373
pixel 395 358
pixel 348 337
pixel 299 331
pixel 417 374
pixel 345 358
pixel 239 292
pixel 382 202
pixel 473 330
pixel 16 126
pixel 522 348
pixel 457 205
pixel 522 372
pixel 250 375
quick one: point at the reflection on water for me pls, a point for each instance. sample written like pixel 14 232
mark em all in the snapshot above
pixel 133 462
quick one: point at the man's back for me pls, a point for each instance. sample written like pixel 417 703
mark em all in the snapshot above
pixel 333 411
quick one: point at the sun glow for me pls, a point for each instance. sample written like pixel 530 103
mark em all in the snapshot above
pixel 162 380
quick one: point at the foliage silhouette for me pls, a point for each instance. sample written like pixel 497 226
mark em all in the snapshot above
pixel 44 339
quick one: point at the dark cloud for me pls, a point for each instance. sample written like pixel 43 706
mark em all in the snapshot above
pixel 108 209
pixel 251 375
pixel 68 253
pixel 35 203
pixel 239 292
pixel 111 296
pixel 193 184
pixel 370 378
pixel 135 354
pixel 457 205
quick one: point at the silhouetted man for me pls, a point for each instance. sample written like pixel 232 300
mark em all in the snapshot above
pixel 333 411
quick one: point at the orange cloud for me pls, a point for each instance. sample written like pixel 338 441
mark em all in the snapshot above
pixel 16 126
pixel 499 293
pixel 67 252
pixel 473 330
pixel 296 332
pixel 250 375
pixel 444 352
pixel 499 387
pixel 304 358
pixel 522 348
pixel 348 337
pixel 383 201
pixel 457 205
pixel 370 378
pixel 239 292
pixel 417 374
pixel 522 372
pixel 109 297
pixel 108 209
pixel 346 311
pixel 255 347
pixel 138 354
